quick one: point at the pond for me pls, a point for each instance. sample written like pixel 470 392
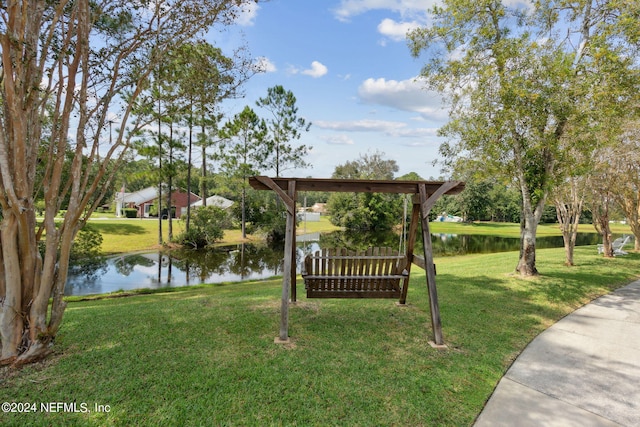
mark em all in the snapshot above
pixel 241 262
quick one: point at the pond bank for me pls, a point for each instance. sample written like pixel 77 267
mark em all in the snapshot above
pixel 130 235
pixel 164 268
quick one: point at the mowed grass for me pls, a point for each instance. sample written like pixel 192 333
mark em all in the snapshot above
pixel 206 356
pixel 504 229
pixel 130 235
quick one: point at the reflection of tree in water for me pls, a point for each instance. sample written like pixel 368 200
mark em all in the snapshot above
pixel 242 260
pixel 201 264
pixel 443 244
pixel 84 272
pixel 89 269
pixel 126 264
pixel 251 258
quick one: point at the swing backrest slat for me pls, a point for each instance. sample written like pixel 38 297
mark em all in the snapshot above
pixel 339 273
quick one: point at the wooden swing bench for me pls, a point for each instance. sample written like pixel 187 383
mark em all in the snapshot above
pixel 339 273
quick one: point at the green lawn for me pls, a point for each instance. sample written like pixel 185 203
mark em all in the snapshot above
pixel 129 235
pixel 503 229
pixel 205 355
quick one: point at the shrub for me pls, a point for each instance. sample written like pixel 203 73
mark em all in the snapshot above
pixel 130 212
pixel 206 227
pixel 363 211
pixel 87 244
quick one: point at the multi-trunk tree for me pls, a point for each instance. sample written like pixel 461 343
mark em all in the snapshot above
pixel 615 185
pixel 625 163
pixel 69 64
pixel 521 79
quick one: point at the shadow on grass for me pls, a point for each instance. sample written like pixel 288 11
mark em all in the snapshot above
pixel 489 312
pixel 119 229
pixel 591 273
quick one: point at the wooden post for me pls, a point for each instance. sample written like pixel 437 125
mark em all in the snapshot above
pixel 288 252
pixel 411 242
pixel 429 268
pixel 292 267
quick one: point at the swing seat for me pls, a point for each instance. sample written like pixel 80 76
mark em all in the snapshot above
pixel 339 273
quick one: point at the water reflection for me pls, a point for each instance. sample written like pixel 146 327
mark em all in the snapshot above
pixel 253 261
pixel 444 244
pixel 452 244
pixel 155 270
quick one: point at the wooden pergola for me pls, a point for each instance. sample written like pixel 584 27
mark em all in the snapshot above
pixel 426 193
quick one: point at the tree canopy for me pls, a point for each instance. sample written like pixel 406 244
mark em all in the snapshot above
pixel 524 82
pixel 284 127
pixel 245 153
pixel 365 211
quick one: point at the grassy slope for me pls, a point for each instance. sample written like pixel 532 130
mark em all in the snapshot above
pixel 205 356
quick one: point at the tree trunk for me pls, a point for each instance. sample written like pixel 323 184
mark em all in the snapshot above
pixel 244 227
pixel 602 225
pixel 189 166
pixel 629 202
pixel 530 218
pixel 159 180
pixel 170 186
pixel 568 212
pixel 3 282
pixel 11 314
pixel 527 262
pixel 203 170
pixel 600 211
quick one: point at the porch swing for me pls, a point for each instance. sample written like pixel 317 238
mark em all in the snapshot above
pixel 340 273
pixel 374 273
pixel 377 272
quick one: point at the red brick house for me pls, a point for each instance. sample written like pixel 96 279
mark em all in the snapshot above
pixel 143 200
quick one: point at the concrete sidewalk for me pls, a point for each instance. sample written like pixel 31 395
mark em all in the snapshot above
pixel 583 371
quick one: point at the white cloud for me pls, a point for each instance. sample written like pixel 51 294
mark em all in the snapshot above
pixel 317 70
pixel 365 125
pixel 264 65
pixel 406 95
pixel 247 14
pixel 337 139
pixel 396 31
pixel 417 133
pixel 387 127
pixel 350 8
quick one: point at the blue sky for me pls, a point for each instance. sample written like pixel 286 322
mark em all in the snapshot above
pixel 348 64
